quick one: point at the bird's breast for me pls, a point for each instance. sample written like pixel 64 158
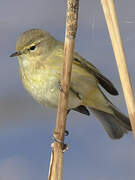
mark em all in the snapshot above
pixel 42 85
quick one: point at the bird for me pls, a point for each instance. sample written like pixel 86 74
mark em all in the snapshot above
pixel 40 58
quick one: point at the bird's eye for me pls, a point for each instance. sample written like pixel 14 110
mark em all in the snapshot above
pixel 32 48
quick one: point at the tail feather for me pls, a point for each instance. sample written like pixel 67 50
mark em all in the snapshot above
pixel 123 120
pixel 114 122
pixel 115 125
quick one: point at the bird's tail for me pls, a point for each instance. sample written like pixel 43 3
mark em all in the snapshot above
pixel 116 125
pixel 114 122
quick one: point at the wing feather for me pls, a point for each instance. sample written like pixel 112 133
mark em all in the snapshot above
pixel 103 81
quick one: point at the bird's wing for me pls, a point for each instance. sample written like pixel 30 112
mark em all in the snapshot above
pixel 103 81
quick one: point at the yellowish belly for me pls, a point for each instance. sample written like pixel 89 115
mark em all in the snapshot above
pixel 44 86
pixel 44 83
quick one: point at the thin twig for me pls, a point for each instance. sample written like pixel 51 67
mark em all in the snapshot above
pixel 71 28
pixel 113 27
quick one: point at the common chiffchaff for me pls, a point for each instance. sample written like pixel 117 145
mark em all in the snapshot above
pixel 40 58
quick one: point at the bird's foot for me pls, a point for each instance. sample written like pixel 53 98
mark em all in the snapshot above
pixel 60 87
pixel 55 134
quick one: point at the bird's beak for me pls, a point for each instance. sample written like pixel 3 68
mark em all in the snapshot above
pixel 17 53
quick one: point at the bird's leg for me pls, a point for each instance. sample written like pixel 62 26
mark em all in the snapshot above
pixel 55 134
pixel 60 87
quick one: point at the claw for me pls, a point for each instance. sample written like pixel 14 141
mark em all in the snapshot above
pixel 55 133
pixel 65 146
pixel 60 87
pixel 66 133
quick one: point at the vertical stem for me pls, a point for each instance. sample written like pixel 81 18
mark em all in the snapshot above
pixel 113 27
pixel 71 29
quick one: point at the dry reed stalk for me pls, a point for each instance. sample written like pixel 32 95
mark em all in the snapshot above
pixel 113 27
pixel 57 158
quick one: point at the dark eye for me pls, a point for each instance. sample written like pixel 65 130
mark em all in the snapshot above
pixel 32 48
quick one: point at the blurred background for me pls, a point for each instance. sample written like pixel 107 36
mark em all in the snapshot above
pixel 26 127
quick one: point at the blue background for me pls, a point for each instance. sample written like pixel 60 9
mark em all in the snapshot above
pixel 26 127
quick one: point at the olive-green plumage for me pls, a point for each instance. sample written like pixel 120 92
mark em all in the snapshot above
pixel 40 58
